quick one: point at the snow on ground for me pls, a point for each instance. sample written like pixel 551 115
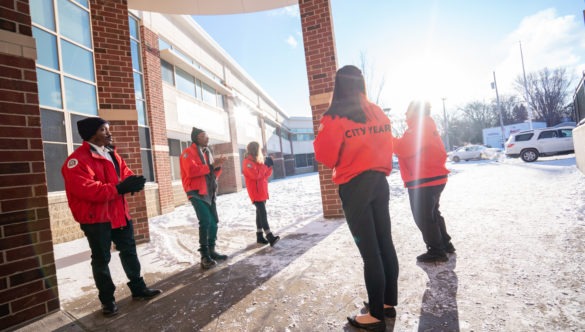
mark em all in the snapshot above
pixel 517 228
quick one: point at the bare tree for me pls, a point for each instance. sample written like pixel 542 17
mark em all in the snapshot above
pixel 547 92
pixel 511 110
pixel 374 82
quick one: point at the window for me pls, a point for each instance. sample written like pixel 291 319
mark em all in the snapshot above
pixel 209 95
pixel 523 137
pixel 185 82
pixel 547 134
pixel 175 149
pixel 66 78
pixel 304 160
pixel 566 133
pixel 168 74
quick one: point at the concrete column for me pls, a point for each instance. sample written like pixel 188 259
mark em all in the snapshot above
pixel 231 177
pixel 321 61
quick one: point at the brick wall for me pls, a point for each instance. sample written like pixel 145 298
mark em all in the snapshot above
pixel 156 118
pixel 116 99
pixel 321 62
pixel 28 281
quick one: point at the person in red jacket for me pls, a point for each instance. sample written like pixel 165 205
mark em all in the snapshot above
pixel 256 171
pixel 355 140
pixel 421 156
pixel 96 180
pixel 199 172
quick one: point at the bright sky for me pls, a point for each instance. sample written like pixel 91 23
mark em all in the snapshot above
pixel 422 49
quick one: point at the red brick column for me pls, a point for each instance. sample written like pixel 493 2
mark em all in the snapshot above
pixel 317 26
pixel 116 99
pixel 28 281
pixel 156 118
pixel 231 176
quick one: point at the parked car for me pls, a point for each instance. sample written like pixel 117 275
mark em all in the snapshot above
pixel 467 152
pixel 531 144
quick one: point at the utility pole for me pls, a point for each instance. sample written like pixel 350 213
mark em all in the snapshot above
pixel 500 111
pixel 525 87
pixel 447 145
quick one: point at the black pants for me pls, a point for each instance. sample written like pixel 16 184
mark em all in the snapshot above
pixel 100 237
pixel 424 203
pixel 261 216
pixel 365 202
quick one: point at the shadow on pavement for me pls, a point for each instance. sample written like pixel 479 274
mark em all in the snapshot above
pixel 194 298
pixel 439 302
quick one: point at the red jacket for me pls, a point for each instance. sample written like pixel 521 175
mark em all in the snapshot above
pixel 194 170
pixel 256 175
pixel 90 184
pixel 421 154
pixel 351 148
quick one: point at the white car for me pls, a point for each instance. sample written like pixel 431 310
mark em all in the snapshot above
pixel 467 152
pixel 531 144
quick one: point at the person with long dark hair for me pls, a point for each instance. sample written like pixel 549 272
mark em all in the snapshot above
pixel 355 140
pixel 257 170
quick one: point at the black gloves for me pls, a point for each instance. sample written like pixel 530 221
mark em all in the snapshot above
pixel 268 162
pixel 132 184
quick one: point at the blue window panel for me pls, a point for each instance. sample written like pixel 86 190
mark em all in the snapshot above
pixel 84 3
pixel 138 90
pixel 209 95
pixel 81 97
pixel 133 28
pixel 135 47
pixel 77 61
pixel 185 82
pixel 42 13
pixel 74 23
pixel 49 89
pixel 141 112
pixel 47 46
pixel 163 45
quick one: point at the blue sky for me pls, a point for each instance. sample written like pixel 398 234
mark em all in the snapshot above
pixel 422 49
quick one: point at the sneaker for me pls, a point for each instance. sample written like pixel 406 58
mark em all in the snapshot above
pixel 109 309
pixel 449 248
pixel 428 257
pixel 146 294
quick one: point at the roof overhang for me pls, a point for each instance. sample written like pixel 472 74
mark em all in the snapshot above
pixel 208 7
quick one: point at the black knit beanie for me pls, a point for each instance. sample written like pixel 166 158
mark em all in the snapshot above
pixel 89 126
pixel 194 133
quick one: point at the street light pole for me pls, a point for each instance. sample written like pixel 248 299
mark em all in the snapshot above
pixel 525 87
pixel 447 145
pixel 500 111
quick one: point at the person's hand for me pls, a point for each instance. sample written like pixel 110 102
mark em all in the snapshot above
pixel 131 184
pixel 268 162
pixel 218 162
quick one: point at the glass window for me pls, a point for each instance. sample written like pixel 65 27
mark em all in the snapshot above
pixel 185 82
pixel 167 72
pixel 144 137
pixel 174 147
pixel 55 155
pixel 77 61
pixel 74 132
pixel 81 97
pixel 74 23
pixel 138 86
pixel 48 44
pixel 141 112
pixel 133 28
pixel 42 13
pixel 53 124
pixel 83 3
pixel 136 64
pixel 174 155
pixel 523 137
pixel 147 168
pixel 163 45
pixel 49 88
pixel 301 160
pixel 547 134
pixel 220 103
pixel 209 95
pixel 566 133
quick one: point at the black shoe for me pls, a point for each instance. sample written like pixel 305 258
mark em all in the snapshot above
pixel 377 326
pixel 260 238
pixel 216 256
pixel 109 309
pixel 429 257
pixel 146 294
pixel 388 312
pixel 272 239
pixel 449 248
pixel 207 262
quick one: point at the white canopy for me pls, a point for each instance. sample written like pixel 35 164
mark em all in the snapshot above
pixel 208 7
